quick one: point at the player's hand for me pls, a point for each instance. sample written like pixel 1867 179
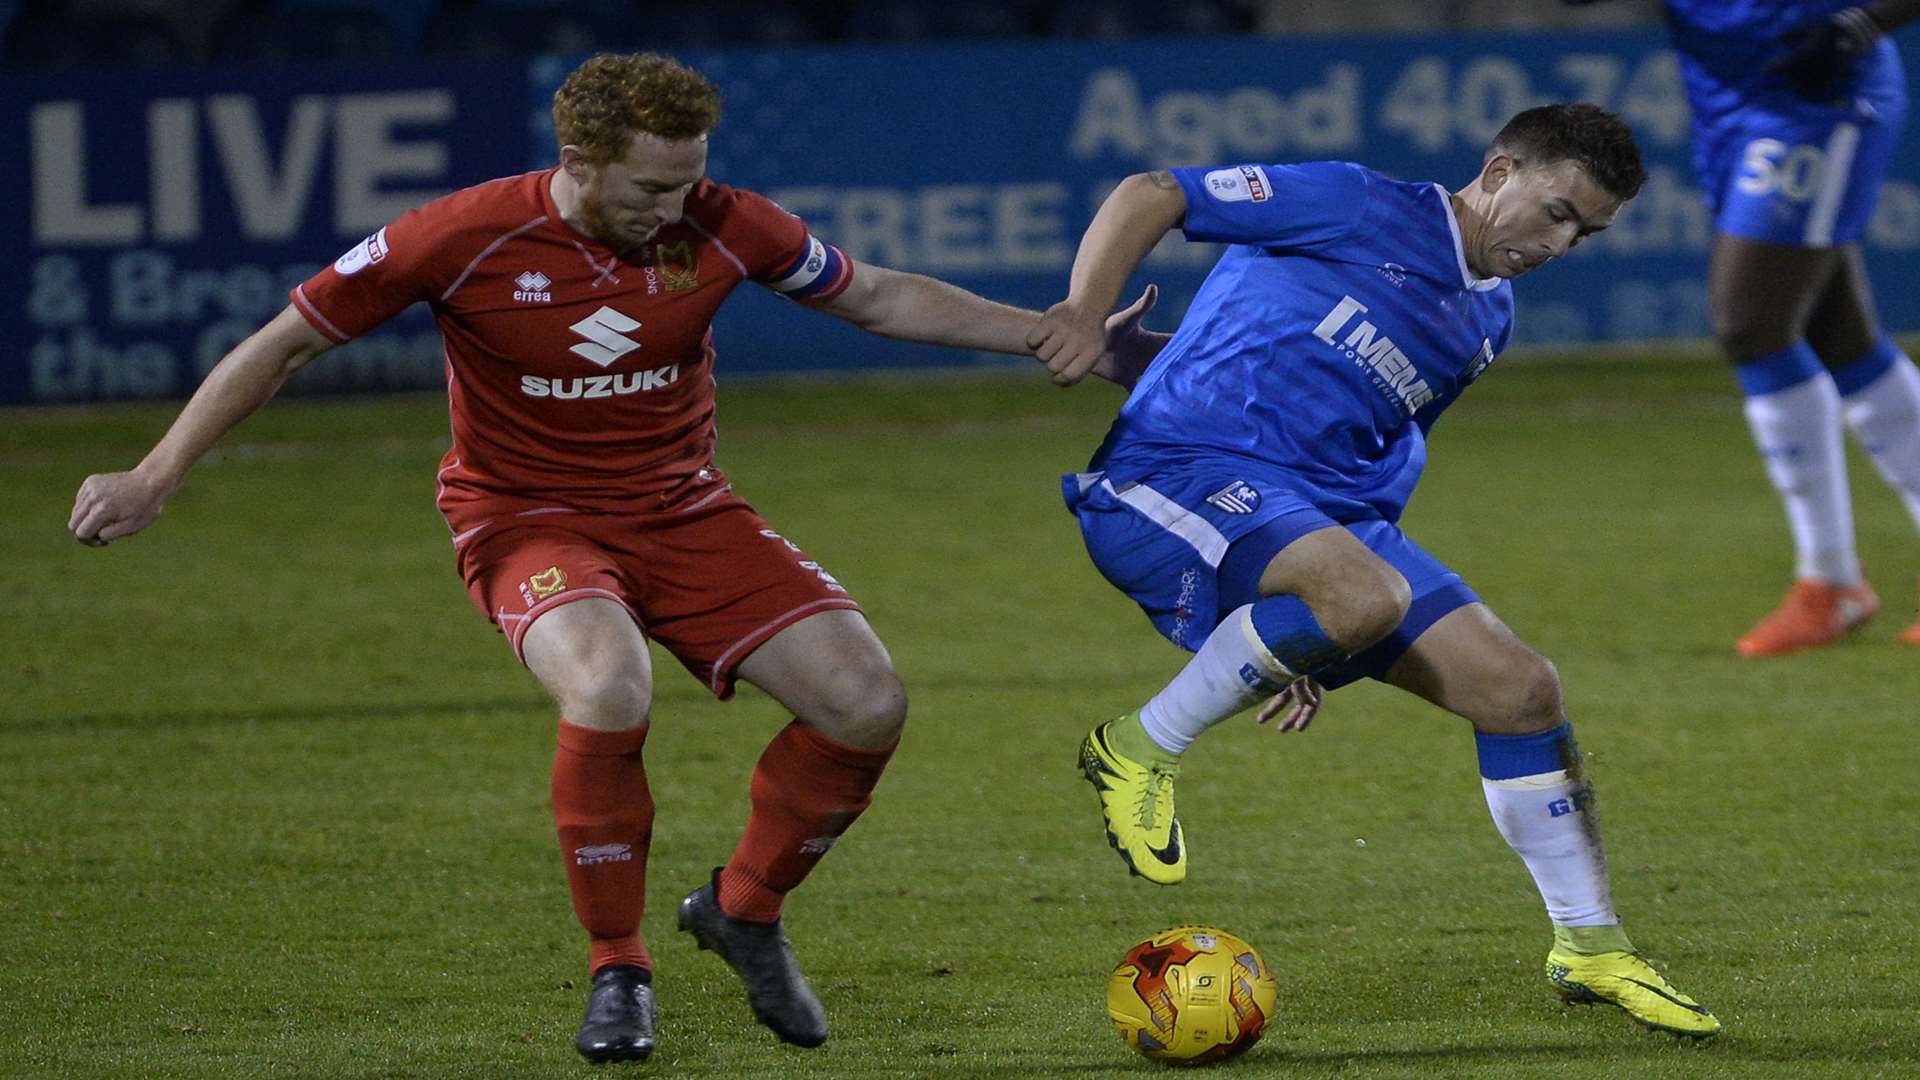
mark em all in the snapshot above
pixel 1069 340
pixel 112 505
pixel 1822 55
pixel 1130 347
pixel 1300 701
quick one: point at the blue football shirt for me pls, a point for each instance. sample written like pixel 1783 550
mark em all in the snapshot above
pixel 1340 322
pixel 1726 47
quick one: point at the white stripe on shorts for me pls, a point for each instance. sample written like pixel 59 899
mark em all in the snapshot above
pixel 1174 518
pixel 1833 185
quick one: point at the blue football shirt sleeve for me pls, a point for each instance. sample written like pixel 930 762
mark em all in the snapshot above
pixel 1286 205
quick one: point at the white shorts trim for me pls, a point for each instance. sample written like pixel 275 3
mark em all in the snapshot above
pixel 1834 179
pixel 761 634
pixel 516 626
pixel 1174 518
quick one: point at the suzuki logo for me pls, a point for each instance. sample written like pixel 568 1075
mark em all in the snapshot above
pixel 606 329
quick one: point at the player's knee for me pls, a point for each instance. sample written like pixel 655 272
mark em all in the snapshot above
pixel 1367 612
pixel 1747 336
pixel 863 705
pixel 613 698
pixel 1530 699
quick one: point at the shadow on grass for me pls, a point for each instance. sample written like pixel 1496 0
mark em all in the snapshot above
pixel 271 714
pixel 398 710
pixel 1261 1062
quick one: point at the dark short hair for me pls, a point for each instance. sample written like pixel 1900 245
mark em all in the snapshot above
pixel 1600 142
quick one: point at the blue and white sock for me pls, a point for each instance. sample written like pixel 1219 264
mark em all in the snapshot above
pixel 1543 806
pixel 1881 392
pixel 1254 652
pixel 1793 409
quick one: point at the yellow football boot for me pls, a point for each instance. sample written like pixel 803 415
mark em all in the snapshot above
pixel 1628 981
pixel 1137 802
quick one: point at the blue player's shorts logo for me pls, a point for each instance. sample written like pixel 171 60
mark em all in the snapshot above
pixel 1238 497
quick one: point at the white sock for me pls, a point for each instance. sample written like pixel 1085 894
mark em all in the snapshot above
pixel 1885 417
pixel 1548 820
pixel 1797 431
pixel 1232 671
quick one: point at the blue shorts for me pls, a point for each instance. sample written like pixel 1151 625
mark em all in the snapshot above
pixel 1189 544
pixel 1800 176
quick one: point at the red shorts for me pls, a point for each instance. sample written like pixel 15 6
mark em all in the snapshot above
pixel 710 581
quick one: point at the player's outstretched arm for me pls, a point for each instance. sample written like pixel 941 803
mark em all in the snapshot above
pixel 112 505
pixel 1071 337
pixel 914 307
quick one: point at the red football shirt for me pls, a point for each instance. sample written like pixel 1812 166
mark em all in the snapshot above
pixel 574 375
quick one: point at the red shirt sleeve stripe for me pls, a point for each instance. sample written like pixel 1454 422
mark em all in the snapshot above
pixel 315 319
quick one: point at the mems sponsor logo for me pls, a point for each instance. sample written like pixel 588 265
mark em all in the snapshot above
pixel 1392 371
pixel 600 386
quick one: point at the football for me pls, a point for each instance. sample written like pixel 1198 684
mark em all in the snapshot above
pixel 1191 995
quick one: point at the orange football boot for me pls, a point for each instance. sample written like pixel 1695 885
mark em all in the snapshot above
pixel 1911 635
pixel 1813 614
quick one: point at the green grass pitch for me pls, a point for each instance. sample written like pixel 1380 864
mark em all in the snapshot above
pixel 273 796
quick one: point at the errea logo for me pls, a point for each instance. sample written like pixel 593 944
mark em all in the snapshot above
pixel 595 854
pixel 533 288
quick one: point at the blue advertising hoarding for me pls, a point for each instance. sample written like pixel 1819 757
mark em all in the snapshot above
pixel 983 164
pixel 165 215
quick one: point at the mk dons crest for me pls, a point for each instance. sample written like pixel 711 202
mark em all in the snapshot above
pixel 547 582
pixel 676 266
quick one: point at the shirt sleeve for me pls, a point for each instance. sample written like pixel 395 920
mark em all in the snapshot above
pixel 786 257
pixel 1281 205
pixel 377 278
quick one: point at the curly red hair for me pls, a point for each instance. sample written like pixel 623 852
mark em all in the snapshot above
pixel 612 97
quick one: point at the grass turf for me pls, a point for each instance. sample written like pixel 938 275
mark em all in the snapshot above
pixel 272 795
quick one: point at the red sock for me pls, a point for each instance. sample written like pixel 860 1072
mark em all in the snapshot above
pixel 604 813
pixel 806 790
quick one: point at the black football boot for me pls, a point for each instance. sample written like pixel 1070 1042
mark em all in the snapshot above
pixel 619 1023
pixel 760 955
